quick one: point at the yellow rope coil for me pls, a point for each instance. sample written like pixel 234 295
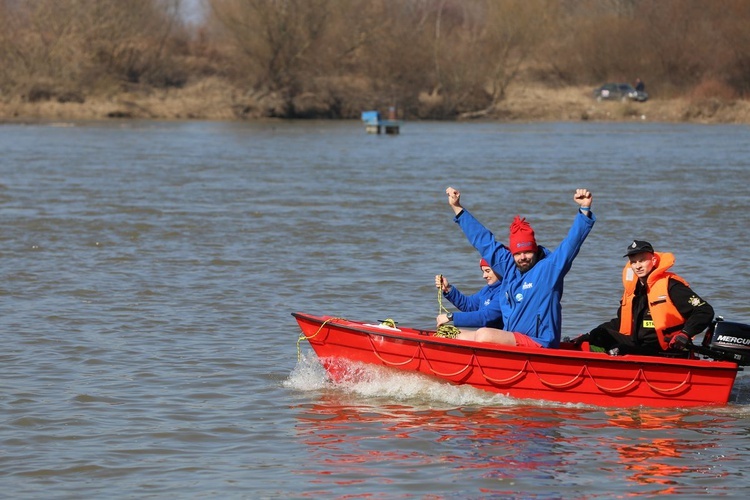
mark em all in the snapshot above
pixel 445 331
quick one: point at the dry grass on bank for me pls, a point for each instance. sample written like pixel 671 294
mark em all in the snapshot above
pixel 209 99
pixel 214 99
pixel 536 103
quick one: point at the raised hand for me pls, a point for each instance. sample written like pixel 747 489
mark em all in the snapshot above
pixel 454 199
pixel 583 197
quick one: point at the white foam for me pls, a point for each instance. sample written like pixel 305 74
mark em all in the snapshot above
pixel 370 381
pixel 308 374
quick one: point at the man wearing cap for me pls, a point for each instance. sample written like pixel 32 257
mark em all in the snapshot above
pixel 532 275
pixel 658 310
pixel 470 306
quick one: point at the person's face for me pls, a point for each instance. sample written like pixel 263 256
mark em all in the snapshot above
pixel 524 260
pixel 489 275
pixel 642 264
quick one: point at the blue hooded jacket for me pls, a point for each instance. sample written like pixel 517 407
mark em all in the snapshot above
pixel 530 303
pixel 472 306
pixel 490 314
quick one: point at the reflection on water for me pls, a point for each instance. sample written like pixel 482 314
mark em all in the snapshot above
pixel 501 446
pixel 354 427
pixel 511 446
pixel 647 460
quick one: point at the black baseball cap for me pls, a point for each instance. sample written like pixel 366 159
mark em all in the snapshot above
pixel 639 246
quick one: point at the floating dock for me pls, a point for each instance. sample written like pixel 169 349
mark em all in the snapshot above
pixel 374 124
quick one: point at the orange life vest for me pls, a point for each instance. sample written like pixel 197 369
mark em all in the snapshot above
pixel 667 319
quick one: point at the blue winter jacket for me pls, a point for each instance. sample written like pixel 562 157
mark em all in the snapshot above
pixel 530 303
pixel 471 306
pixel 491 314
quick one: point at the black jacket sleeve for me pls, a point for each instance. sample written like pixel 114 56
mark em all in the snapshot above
pixel 605 334
pixel 611 325
pixel 697 312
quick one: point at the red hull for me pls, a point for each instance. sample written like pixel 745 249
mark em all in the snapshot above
pixel 564 375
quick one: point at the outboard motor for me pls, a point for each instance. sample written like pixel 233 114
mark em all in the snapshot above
pixel 729 341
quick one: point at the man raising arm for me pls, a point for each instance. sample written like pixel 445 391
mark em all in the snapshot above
pixel 533 279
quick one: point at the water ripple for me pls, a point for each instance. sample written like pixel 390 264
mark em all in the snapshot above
pixel 149 271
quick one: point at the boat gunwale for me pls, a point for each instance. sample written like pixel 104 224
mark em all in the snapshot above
pixel 423 336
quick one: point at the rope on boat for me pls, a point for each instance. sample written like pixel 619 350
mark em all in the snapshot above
pixel 526 369
pixel 585 372
pixel 388 322
pixel 302 335
pixel 445 331
pixel 390 363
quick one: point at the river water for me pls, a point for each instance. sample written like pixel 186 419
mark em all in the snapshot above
pixel 149 269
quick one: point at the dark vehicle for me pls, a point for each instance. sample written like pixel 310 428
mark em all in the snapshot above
pixel 619 92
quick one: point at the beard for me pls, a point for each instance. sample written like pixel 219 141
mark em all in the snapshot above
pixel 525 265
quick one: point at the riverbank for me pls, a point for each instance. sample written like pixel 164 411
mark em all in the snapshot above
pixel 213 99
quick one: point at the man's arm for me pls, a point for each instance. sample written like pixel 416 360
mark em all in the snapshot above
pixel 461 301
pixel 480 317
pixel 566 252
pixel 481 238
pixel 697 312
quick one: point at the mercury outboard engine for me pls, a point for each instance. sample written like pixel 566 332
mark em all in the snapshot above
pixel 726 340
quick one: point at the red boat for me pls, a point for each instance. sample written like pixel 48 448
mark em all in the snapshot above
pixel 567 374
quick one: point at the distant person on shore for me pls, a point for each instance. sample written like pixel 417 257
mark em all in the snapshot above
pixel 532 277
pixel 658 311
pixel 639 85
pixel 471 306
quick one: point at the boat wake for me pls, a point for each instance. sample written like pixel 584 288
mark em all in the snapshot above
pixel 371 382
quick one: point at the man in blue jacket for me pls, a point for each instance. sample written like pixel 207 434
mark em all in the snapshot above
pixel 532 279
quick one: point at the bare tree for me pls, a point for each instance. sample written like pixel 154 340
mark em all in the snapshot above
pixel 278 38
pixel 515 30
pixel 435 58
pixel 82 43
pixel 128 40
pixel 479 48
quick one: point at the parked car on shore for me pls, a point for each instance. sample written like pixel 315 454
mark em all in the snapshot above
pixel 619 92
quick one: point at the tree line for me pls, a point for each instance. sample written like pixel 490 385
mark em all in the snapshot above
pixel 334 58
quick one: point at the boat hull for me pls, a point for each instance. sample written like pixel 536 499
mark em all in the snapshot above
pixel 563 375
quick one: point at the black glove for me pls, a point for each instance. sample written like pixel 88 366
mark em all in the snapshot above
pixel 578 340
pixel 679 341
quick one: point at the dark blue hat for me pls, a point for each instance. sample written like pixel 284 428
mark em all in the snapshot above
pixel 639 246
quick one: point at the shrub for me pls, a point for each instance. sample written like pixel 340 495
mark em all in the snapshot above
pixel 712 89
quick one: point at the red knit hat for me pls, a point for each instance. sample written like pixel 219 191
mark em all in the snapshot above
pixel 483 263
pixel 521 236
